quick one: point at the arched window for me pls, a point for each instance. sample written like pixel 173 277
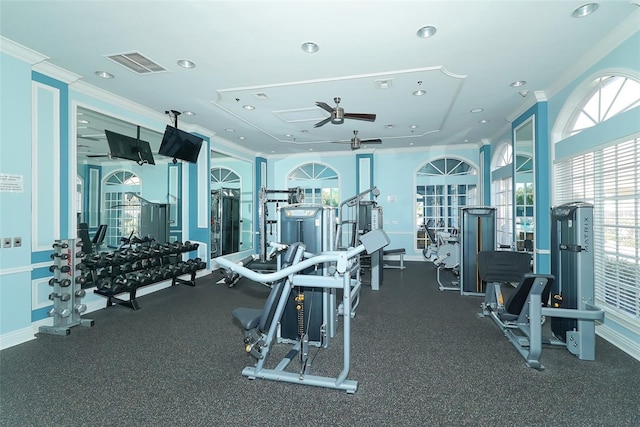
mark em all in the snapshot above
pixel 223 177
pixel 608 177
pixel 121 214
pixel 443 186
pixel 319 182
pixel 609 95
pixel 501 188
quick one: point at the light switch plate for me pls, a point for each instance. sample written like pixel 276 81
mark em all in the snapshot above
pixel 17 242
pixel 6 242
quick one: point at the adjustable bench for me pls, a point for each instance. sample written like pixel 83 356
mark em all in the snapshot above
pixel 393 252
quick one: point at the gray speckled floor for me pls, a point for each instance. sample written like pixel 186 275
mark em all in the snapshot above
pixel 421 358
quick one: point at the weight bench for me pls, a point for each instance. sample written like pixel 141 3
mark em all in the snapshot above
pixel 522 316
pixel 390 252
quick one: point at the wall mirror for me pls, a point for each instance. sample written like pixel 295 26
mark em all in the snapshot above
pixel 231 204
pixel 524 218
pixel 125 195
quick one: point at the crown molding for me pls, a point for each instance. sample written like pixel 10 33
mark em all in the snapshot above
pixel 21 52
pixel 530 101
pixel 56 72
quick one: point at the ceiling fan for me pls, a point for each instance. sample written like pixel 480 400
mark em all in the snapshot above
pixel 338 115
pixel 356 142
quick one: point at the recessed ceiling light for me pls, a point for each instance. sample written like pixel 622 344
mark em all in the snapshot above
pixel 411 143
pixel 288 135
pixel 310 47
pixel 519 83
pixel 248 107
pixel 241 137
pixel 419 92
pixel 84 121
pixel 585 10
pixel 185 63
pixel 413 127
pixel 230 130
pixel 104 75
pixel 477 110
pixel 426 31
pixel 389 126
pixel 483 121
pixel 188 113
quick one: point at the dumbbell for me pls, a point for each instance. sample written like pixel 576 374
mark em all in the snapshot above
pixel 134 280
pixel 80 293
pixel 60 245
pixel 201 264
pixel 61 256
pixel 63 297
pixel 63 269
pixel 63 283
pixel 84 280
pixel 64 313
pixel 80 308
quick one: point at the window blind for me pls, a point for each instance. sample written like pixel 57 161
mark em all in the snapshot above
pixel 609 179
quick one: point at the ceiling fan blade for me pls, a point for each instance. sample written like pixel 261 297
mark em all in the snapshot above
pixel 360 116
pixel 324 106
pixel 322 123
pixel 371 141
pixel 98 155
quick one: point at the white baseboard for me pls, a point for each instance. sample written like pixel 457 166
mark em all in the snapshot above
pixel 23 335
pixel 631 347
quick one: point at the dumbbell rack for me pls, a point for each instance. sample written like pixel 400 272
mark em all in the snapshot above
pixel 125 270
pixel 67 309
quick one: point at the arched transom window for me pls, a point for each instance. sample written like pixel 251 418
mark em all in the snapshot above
pixel 319 182
pixel 609 96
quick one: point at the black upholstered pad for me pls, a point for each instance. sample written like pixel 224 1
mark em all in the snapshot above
pixel 503 266
pixel 514 305
pixel 249 318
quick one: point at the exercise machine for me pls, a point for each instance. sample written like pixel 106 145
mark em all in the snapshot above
pixel 477 233
pixel 311 225
pixel 357 217
pixel 566 296
pixel 447 257
pixel 265 224
pixel 260 325
pixel 572 264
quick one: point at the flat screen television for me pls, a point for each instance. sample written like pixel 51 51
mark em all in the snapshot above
pixel 180 145
pixel 126 147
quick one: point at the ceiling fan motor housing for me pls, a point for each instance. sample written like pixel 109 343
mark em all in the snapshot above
pixel 338 116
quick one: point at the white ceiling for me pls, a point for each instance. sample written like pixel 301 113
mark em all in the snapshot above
pixel 249 53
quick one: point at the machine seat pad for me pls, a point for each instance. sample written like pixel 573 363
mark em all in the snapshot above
pixel 249 318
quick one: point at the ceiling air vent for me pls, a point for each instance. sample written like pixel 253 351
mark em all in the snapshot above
pixel 137 62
